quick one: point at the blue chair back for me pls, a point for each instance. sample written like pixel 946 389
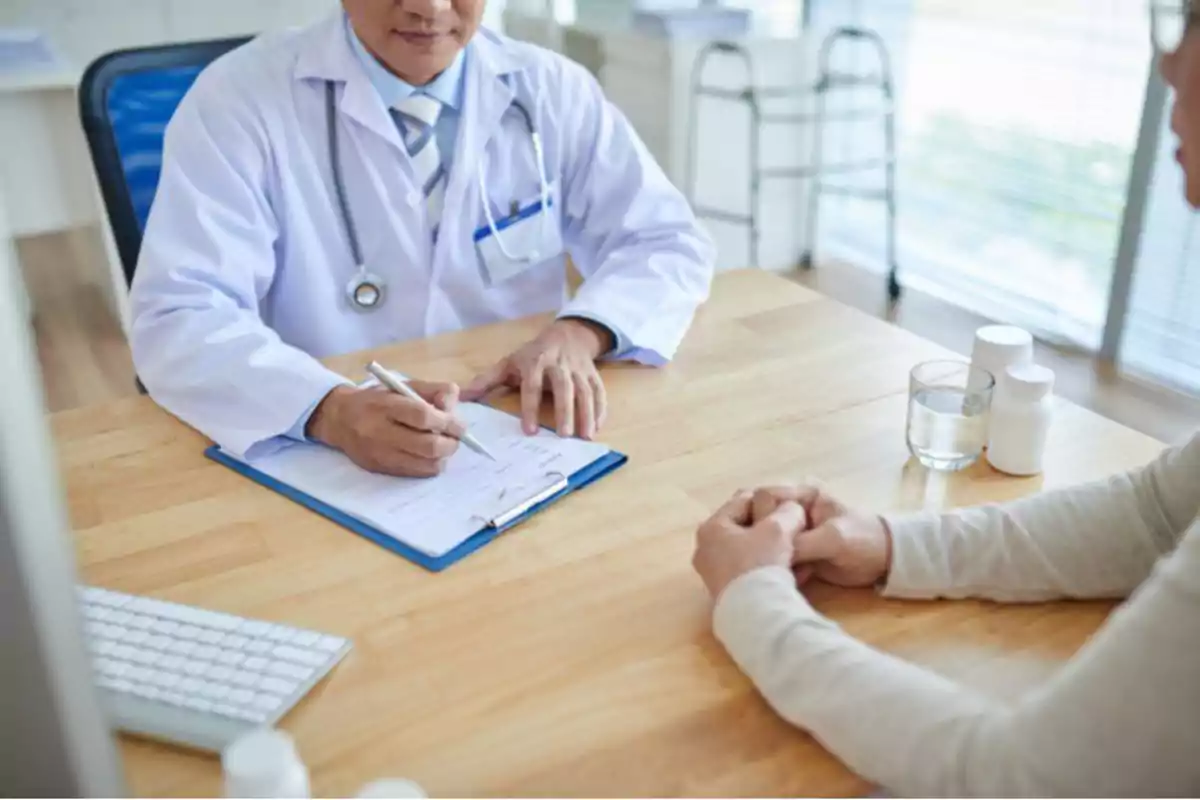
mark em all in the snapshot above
pixel 126 99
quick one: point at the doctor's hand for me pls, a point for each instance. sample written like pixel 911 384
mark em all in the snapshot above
pixel 560 362
pixel 732 542
pixel 385 432
pixel 840 545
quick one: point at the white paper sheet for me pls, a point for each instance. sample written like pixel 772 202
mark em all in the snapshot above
pixel 436 515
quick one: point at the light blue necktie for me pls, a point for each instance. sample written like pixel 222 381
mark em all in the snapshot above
pixel 417 116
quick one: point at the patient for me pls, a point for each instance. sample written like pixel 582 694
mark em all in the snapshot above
pixel 1121 718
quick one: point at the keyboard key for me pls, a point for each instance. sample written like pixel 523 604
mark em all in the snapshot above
pixel 211 637
pixel 278 633
pixel 205 653
pixel 138 674
pixel 116 684
pixel 194 668
pixel 172 663
pixel 159 642
pixel 266 702
pixel 259 646
pixel 256 664
pixel 226 710
pixel 183 648
pixel 254 628
pixel 135 637
pixel 188 686
pixel 94 612
pixel 220 674
pixel 119 617
pixel 123 652
pixel 165 679
pixel 229 658
pixel 95 629
pixel 148 692
pixel 306 657
pixel 140 623
pixel 277 686
pixel 166 627
pixel 146 657
pixel 285 670
pixel 198 703
pixel 215 691
pixel 114 669
pixel 235 641
pixel 188 632
pixel 151 607
pixel 240 696
pixel 204 618
pixel 104 666
pixel 172 698
pixel 246 679
pixel 305 638
pixel 331 643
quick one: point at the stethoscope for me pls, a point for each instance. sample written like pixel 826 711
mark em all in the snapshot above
pixel 366 291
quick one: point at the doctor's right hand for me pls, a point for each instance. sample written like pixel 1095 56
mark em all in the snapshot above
pixel 382 431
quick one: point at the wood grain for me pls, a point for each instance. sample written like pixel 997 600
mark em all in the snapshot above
pixel 574 657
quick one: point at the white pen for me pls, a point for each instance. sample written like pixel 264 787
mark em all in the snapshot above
pixel 396 385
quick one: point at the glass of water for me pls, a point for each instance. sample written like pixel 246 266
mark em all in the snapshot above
pixel 947 414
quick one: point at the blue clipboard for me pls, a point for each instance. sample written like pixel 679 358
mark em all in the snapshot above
pixel 589 474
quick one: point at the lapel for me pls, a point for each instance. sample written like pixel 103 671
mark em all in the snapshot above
pixel 488 95
pixel 326 56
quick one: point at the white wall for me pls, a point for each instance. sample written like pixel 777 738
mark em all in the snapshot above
pixel 84 29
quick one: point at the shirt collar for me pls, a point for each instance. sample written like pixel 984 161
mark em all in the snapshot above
pixel 446 88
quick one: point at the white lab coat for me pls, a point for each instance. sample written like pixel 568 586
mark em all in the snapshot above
pixel 241 282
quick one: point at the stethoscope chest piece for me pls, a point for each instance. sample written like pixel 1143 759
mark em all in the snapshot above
pixel 365 291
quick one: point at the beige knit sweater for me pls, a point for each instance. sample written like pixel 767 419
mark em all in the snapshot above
pixel 1121 718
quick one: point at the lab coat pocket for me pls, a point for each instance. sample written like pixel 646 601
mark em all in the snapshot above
pixel 520 241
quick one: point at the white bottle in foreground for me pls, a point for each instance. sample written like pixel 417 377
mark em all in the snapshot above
pixel 264 763
pixel 1020 419
pixel 392 788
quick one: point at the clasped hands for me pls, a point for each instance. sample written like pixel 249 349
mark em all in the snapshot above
pixel 803 529
pixel 385 432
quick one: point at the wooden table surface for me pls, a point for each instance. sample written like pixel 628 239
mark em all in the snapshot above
pixel 574 656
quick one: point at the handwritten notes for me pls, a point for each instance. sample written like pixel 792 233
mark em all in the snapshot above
pixel 436 515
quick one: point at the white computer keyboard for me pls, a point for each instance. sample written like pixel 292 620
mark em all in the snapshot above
pixel 196 677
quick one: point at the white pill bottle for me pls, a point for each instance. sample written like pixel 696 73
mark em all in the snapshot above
pixel 264 763
pixel 1022 409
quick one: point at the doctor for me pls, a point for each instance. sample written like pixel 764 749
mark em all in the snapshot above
pixel 390 173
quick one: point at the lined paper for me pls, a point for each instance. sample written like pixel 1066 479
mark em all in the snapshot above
pixel 435 515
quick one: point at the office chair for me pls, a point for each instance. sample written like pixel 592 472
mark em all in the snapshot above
pixel 126 99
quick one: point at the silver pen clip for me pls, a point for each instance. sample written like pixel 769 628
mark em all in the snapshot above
pixel 505 518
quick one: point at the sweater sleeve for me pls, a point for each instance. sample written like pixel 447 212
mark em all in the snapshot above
pixel 1091 541
pixel 1118 720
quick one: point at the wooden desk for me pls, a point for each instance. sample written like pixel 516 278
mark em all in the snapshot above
pixel 574 656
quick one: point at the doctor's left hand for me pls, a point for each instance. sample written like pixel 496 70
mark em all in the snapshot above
pixel 560 362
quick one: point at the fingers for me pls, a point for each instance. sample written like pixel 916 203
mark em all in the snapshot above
pixel 788 520
pixel 420 416
pixel 585 407
pixel 532 384
pixel 804 574
pixel 599 399
pixel 563 389
pixel 405 465
pixel 736 510
pixel 443 395
pixel 486 381
pixel 822 543
pixel 764 503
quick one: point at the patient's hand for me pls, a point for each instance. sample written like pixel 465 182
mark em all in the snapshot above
pixel 839 546
pixel 731 544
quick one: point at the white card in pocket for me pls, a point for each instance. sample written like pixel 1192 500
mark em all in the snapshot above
pixel 531 236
